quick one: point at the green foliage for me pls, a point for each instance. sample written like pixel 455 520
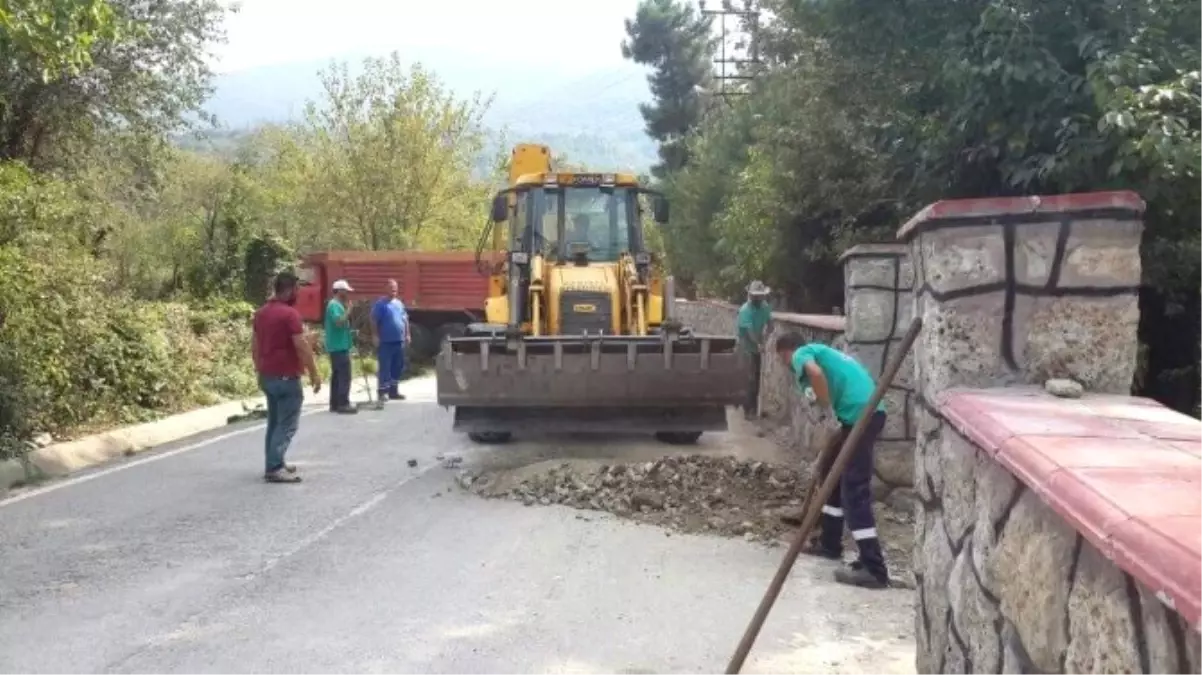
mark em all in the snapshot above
pixel 673 39
pixel 75 355
pixel 394 150
pixel 54 37
pixel 128 266
pixel 865 111
pixel 266 256
pixel 75 70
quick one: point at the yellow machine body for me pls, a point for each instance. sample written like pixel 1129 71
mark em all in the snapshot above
pixel 579 333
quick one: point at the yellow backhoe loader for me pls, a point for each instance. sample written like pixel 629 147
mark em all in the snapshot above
pixel 580 333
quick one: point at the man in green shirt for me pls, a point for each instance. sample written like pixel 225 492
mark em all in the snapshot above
pixel 753 321
pixel 338 346
pixel 838 382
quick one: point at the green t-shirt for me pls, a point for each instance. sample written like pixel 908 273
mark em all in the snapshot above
pixel 751 323
pixel 338 337
pixel 851 385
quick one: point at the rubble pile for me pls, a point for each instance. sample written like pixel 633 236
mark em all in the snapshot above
pixel 686 493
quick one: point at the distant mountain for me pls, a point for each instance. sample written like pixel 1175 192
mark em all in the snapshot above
pixel 591 116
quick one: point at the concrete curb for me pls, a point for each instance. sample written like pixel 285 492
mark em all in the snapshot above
pixel 60 459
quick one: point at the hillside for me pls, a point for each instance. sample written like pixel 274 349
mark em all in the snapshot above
pixel 589 116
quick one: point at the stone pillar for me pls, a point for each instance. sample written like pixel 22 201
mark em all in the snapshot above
pixel 1025 289
pixel 879 280
pixel 1011 291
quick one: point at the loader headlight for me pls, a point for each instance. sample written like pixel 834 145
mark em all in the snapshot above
pixel 519 257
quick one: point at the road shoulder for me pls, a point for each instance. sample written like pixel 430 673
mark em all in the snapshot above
pixel 61 459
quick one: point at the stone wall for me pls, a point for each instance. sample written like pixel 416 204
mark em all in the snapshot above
pixel 878 282
pixel 800 424
pixel 1006 585
pixel 1013 293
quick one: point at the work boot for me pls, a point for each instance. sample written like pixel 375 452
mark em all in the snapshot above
pixel 869 570
pixel 395 396
pixel 346 410
pixel 816 548
pixel 857 574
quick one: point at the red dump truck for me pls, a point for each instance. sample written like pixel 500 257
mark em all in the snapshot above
pixel 442 291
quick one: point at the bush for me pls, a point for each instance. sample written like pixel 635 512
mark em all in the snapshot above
pixel 76 355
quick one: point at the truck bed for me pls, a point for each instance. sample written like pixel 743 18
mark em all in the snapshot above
pixel 427 281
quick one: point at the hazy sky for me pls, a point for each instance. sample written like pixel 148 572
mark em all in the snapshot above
pixel 265 32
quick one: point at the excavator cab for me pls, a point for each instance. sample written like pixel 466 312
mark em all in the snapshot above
pixel 580 334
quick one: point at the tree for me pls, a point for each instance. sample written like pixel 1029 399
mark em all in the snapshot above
pixel 394 153
pixel 865 111
pixel 128 66
pixel 675 41
pixel 54 37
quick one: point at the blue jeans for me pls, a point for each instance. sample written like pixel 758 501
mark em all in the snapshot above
pixel 284 398
pixel 390 365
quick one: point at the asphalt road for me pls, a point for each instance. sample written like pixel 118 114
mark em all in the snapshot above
pixel 183 560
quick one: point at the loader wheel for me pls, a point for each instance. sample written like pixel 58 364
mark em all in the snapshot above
pixel 678 437
pixel 490 437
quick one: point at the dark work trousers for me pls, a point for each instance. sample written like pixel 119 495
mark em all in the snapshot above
pixel 390 360
pixel 340 380
pixel 752 406
pixel 852 499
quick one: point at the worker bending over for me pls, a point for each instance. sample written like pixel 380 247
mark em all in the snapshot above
pixel 837 381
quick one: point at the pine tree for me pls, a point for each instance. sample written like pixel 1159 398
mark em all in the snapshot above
pixel 674 39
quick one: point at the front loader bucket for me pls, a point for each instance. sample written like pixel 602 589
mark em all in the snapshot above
pixel 591 384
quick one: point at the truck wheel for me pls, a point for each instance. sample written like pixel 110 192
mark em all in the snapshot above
pixel 490 437
pixel 677 437
pixel 451 330
pixel 425 344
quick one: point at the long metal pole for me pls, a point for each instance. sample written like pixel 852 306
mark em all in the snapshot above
pixel 812 513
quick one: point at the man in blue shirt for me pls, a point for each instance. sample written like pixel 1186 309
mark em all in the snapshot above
pixel 840 383
pixel 752 326
pixel 390 325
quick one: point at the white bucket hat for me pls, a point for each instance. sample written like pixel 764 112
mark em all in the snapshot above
pixel 757 287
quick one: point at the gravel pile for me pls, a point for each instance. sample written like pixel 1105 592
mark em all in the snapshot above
pixel 686 493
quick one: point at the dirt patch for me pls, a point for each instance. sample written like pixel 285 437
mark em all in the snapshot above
pixel 725 496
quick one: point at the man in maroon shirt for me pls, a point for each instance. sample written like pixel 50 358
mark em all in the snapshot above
pixel 281 353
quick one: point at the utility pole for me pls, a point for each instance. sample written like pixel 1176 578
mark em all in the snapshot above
pixel 728 80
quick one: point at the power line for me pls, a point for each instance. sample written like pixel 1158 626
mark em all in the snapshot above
pixel 738 74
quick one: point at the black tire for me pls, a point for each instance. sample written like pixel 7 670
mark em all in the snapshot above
pixel 677 437
pixel 425 342
pixel 451 330
pixel 490 437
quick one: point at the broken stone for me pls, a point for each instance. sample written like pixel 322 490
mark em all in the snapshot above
pixel 412 463
pixel 721 495
pixel 649 500
pixel 1064 388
